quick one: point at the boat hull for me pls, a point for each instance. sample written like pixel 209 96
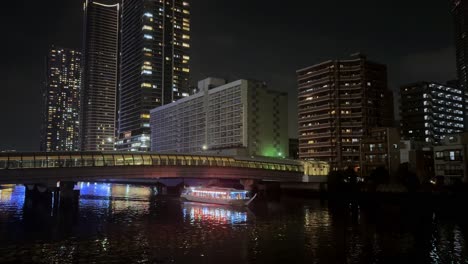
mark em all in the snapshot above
pixel 216 201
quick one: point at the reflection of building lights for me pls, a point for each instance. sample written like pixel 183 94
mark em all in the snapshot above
pixel 214 214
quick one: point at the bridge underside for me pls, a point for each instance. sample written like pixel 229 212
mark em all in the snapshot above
pixel 25 176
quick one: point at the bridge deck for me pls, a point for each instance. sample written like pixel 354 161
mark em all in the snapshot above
pixel 99 159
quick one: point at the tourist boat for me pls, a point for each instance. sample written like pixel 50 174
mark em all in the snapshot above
pixel 7 186
pixel 216 195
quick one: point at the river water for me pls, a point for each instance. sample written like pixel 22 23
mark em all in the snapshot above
pixel 130 224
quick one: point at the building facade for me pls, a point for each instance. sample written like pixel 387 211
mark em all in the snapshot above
pixel 429 111
pixel 338 101
pixel 100 74
pixel 380 147
pixel 294 148
pixel 155 65
pixel 460 18
pixel 61 116
pixel 241 118
pixel 419 157
pixel 450 159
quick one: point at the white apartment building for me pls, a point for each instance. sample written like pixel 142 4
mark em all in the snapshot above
pixel 241 118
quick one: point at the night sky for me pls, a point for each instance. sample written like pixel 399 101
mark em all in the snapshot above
pixel 257 39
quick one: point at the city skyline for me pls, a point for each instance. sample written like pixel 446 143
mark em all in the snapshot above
pixel 217 53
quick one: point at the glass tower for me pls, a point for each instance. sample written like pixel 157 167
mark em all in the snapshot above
pixel 61 122
pixel 100 75
pixel 154 65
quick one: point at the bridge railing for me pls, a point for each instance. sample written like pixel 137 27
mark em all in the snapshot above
pixel 78 160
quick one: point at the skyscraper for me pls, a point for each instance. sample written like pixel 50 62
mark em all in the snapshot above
pixel 460 17
pixel 338 101
pixel 154 65
pixel 60 131
pixel 100 74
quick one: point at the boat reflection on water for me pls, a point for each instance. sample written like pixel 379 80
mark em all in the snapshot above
pixel 217 214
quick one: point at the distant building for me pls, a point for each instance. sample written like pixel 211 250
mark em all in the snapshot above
pixel 100 74
pixel 460 16
pixel 155 65
pixel 429 111
pixel 61 112
pixel 380 148
pixel 450 159
pixel 338 101
pixel 420 158
pixel 294 148
pixel 241 118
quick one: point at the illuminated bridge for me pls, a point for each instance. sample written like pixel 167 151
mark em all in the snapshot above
pixel 40 167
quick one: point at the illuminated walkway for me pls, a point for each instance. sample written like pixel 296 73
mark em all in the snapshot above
pixel 16 167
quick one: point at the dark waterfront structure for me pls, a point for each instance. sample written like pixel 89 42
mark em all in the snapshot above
pixel 380 148
pixel 293 148
pixel 100 74
pixel 429 111
pixel 155 65
pixel 460 17
pixel 338 101
pixel 61 116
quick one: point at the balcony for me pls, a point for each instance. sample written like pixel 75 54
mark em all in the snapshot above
pixel 320 154
pixel 314 108
pixel 315 100
pixel 317 135
pixel 453 172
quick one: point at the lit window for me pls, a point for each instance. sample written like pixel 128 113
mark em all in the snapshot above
pixel 145 27
pixel 146 85
pixel 146 36
pixel 147 14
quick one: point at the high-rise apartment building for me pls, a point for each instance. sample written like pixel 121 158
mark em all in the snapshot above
pixel 460 17
pixel 60 131
pixel 430 111
pixel 155 64
pixel 241 118
pixel 100 74
pixel 338 101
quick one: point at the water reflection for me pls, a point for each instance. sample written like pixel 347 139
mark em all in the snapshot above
pixel 196 212
pixel 12 200
pixel 127 223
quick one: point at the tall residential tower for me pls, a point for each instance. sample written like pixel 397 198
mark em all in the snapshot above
pixel 100 74
pixel 460 17
pixel 338 101
pixel 60 131
pixel 155 65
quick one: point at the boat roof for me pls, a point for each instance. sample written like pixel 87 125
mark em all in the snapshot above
pixel 217 189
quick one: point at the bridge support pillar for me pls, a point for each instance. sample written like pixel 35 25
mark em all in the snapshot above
pixel 249 184
pixel 271 189
pixel 68 197
pixel 38 192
